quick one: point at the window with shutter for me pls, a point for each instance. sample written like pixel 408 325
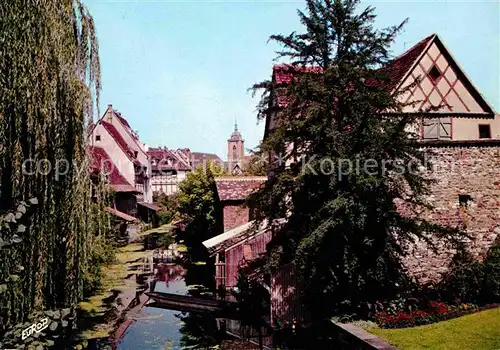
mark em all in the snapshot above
pixel 437 128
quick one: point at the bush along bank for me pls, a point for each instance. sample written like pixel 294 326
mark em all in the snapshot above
pixel 470 286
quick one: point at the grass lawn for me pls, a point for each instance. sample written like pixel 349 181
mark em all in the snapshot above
pixel 476 331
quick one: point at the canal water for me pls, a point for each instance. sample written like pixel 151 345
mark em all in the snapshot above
pixel 157 328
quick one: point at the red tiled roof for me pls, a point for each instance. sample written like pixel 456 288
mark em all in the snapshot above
pixel 161 155
pixel 237 187
pixel 283 73
pixel 395 70
pixel 101 162
pixel 121 141
pixel 118 138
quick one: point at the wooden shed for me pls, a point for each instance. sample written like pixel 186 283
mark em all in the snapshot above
pixel 286 308
pixel 236 247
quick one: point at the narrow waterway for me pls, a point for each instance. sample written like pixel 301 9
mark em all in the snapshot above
pixel 155 328
pixel 147 327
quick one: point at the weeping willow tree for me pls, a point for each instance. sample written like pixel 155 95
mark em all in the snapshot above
pixel 49 88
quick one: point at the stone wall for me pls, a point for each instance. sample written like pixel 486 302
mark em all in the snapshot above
pixel 235 215
pixel 468 170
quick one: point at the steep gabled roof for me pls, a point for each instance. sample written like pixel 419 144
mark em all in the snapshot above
pixel 231 188
pixel 397 69
pixel 199 157
pixel 115 134
pixel 101 162
pixel 464 78
pixel 161 155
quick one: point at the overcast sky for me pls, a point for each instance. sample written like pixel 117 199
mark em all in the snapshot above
pixel 180 71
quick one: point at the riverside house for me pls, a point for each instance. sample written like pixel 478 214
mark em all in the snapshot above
pixel 117 151
pixel 464 135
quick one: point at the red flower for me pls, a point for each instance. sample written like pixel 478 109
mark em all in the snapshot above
pixel 438 307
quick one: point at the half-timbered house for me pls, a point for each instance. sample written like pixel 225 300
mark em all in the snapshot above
pixel 118 153
pixel 463 132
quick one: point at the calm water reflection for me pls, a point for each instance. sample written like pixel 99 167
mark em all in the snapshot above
pixel 155 328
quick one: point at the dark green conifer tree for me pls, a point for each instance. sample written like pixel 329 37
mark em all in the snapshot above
pixel 354 163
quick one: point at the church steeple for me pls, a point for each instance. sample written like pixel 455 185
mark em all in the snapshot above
pixel 235 146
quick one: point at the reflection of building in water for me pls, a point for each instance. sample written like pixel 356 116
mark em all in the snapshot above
pixel 169 273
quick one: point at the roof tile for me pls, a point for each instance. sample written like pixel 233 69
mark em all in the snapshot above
pixel 394 71
pixel 102 163
pixel 237 187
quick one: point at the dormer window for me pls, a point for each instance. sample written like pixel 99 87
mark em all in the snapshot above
pixel 434 74
pixel 136 154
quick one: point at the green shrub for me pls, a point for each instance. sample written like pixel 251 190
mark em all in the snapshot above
pixel 102 252
pixel 472 281
pixel 491 276
pixel 464 279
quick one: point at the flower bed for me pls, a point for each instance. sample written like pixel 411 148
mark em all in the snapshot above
pixel 435 312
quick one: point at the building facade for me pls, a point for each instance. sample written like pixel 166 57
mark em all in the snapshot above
pixel 461 129
pixel 238 243
pixel 170 167
pixel 118 153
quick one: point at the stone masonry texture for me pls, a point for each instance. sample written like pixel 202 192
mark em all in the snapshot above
pixel 235 215
pixel 460 170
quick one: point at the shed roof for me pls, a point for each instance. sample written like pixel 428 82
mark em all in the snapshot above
pixel 151 206
pixel 238 187
pixel 238 234
pixel 120 214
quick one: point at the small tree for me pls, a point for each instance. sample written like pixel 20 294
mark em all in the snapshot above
pixel 168 208
pixel 257 164
pixel 198 207
pixel 344 230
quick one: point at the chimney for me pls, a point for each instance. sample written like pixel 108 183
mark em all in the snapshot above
pixel 109 113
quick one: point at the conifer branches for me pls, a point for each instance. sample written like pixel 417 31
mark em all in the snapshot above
pixel 349 153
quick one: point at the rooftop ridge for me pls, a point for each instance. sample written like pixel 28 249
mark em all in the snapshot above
pixel 240 178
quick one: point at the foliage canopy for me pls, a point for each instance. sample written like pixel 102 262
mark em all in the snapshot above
pixel 346 230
